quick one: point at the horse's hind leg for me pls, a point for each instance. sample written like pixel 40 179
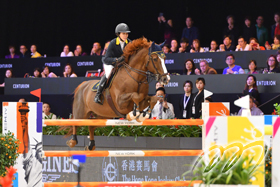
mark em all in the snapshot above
pixel 91 146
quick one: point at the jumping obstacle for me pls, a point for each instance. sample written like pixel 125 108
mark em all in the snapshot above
pixel 125 153
pixel 103 184
pixel 108 122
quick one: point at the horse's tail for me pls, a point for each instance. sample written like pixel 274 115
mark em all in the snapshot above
pixel 77 109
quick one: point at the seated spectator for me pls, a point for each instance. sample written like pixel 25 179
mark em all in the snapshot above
pixel 255 111
pixel 242 45
pixel 166 49
pixel 213 46
pixel 34 53
pixel 198 98
pixel 278 57
pixel 196 47
pixel 68 71
pixel 227 46
pixel 189 67
pixel 272 65
pixel 79 51
pixel 37 73
pixel 249 30
pixel 251 88
pixel 105 48
pixel 253 67
pixel 66 52
pixel 47 73
pixel 12 53
pixel 185 105
pixel 46 111
pixel 185 48
pixel 275 45
pixel 162 109
pixel 174 46
pixel 231 30
pixel 158 84
pixel 232 68
pixel 23 52
pixel 96 49
pixel 190 32
pixel 254 45
pixel 21 100
pixel 8 74
pixel 205 68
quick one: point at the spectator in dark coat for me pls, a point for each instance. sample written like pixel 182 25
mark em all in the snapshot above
pixel 190 32
pixel 249 30
pixel 231 30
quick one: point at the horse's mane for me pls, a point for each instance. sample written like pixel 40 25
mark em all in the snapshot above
pixel 134 46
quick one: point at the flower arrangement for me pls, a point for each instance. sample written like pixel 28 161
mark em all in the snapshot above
pixel 268 162
pixel 225 170
pixel 277 109
pixel 8 151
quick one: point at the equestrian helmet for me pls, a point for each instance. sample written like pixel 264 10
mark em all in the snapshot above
pixel 122 27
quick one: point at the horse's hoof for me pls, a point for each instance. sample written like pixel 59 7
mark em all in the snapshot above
pixel 71 143
pixel 141 117
pixel 128 117
pixel 131 117
pixel 87 148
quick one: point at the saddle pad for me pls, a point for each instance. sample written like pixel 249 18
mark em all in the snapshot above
pixel 109 81
pixel 95 86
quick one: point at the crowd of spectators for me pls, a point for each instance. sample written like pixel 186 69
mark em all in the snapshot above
pixel 251 37
pixel 190 104
pixel 236 37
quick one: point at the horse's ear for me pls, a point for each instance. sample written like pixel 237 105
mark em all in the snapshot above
pixel 162 44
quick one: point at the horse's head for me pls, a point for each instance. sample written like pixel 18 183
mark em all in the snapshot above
pixel 156 63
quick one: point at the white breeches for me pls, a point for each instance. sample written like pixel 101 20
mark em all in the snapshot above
pixel 108 69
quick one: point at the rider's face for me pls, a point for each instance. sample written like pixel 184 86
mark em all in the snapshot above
pixel 123 36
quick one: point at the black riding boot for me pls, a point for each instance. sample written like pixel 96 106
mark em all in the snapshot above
pixel 100 89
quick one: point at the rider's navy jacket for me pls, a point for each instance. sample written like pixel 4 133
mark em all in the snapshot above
pixel 114 51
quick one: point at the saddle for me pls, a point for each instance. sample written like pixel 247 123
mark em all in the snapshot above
pixel 109 81
pixel 107 93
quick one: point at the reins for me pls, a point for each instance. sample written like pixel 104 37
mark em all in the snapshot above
pixel 149 75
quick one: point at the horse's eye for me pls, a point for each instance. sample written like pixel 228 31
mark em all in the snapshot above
pixel 155 59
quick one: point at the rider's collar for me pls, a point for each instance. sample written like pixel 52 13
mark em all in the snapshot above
pixel 118 41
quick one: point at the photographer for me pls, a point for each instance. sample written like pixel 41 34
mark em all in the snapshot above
pixel 162 109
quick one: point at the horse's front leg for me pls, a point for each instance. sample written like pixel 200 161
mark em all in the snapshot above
pixel 147 106
pixel 136 98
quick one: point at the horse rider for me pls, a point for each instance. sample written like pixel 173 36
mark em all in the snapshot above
pixel 112 56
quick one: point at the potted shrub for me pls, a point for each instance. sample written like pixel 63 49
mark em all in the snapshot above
pixel 225 172
pixel 8 152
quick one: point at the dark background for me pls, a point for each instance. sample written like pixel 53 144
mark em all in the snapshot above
pixel 50 24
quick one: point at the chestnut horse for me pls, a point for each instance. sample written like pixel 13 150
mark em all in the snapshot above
pixel 129 90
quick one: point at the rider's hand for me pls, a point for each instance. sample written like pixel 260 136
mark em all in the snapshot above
pixel 120 59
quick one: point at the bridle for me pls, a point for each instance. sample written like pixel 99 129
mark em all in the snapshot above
pixel 149 75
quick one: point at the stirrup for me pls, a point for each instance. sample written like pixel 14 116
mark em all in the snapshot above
pixel 98 99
